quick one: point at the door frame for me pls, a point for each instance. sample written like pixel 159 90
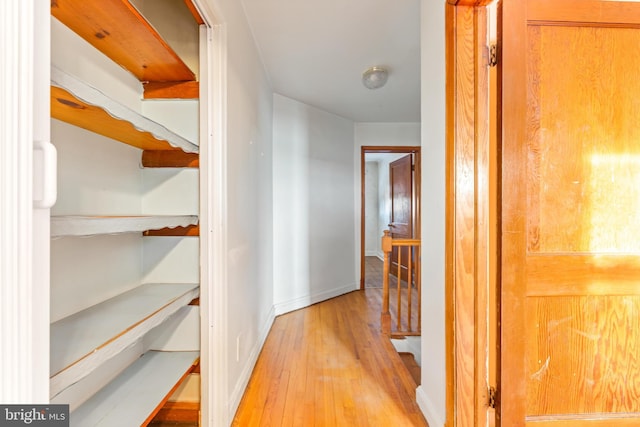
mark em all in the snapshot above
pixel 471 216
pixel 215 407
pixel 415 150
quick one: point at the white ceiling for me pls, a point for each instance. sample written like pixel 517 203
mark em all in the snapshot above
pixel 315 52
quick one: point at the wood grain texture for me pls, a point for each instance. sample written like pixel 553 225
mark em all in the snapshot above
pixel 329 365
pixel 584 197
pixel 584 13
pixel 465 217
pixel 169 159
pixel 178 412
pixel 584 349
pixel 513 229
pixel 569 236
pixel 582 274
pixel 171 90
pixel 69 109
pixel 450 105
pixel 111 26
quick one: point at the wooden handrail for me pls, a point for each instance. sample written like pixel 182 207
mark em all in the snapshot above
pixel 411 276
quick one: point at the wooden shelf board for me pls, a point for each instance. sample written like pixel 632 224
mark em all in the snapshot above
pixel 117 29
pixel 137 394
pixel 171 90
pixel 178 412
pixel 169 159
pixel 75 102
pixel 194 12
pixel 77 225
pixel 83 341
pixel 191 230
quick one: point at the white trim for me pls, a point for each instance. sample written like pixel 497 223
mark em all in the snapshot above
pixel 310 299
pixel 243 380
pixel 428 408
pixel 213 222
pixel 24 294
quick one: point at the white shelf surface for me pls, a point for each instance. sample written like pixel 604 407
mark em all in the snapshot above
pixel 95 97
pixel 130 398
pixel 83 341
pixel 77 225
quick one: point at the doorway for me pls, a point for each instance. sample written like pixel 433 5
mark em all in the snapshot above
pixel 377 202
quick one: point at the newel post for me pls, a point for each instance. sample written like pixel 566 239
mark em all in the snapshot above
pixel 385 317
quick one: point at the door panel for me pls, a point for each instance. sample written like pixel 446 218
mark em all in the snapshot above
pixel 401 184
pixel 401 219
pixel 571 214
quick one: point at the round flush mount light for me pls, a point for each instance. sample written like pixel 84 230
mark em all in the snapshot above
pixel 375 77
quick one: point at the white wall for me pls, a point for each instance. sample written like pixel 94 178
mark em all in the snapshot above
pixel 313 205
pixel 249 220
pixel 371 209
pixel 431 395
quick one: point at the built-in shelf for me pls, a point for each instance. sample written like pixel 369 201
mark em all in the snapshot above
pixel 169 159
pixel 117 29
pixel 77 103
pixel 171 90
pixel 83 341
pixel 192 230
pixel 135 396
pixel 77 225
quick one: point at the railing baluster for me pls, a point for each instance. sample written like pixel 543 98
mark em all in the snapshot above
pixel 413 277
pixel 399 292
pixel 409 284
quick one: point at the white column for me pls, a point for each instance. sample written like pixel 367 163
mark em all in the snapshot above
pixel 24 285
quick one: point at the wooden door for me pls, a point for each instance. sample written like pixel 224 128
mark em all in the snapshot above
pixel 401 218
pixel 570 283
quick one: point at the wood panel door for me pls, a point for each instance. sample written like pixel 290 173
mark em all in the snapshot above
pixel 401 218
pixel 570 283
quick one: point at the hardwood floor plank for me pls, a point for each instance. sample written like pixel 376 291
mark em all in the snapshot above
pixel 329 365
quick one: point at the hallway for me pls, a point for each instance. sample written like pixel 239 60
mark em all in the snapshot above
pixel 328 365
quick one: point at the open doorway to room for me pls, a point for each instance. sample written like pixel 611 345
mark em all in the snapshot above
pixel 390 188
pixel 381 210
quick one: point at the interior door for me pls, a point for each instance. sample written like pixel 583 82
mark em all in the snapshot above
pixel 401 218
pixel 570 282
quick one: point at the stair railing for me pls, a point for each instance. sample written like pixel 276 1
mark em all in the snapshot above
pixel 402 266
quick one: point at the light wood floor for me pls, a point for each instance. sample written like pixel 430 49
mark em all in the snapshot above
pixel 328 365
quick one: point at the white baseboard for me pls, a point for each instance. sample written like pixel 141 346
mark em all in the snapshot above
pixel 434 419
pixel 243 380
pixel 380 255
pixel 371 253
pixel 307 300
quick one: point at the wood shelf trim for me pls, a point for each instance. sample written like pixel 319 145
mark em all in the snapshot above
pixel 194 12
pixel 83 341
pixel 188 231
pixel 82 105
pixel 169 159
pixel 74 226
pixel 171 90
pixel 111 26
pixel 139 392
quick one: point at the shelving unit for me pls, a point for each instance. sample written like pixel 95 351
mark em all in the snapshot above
pixel 75 225
pixel 88 338
pixel 104 358
pixel 79 104
pixel 134 395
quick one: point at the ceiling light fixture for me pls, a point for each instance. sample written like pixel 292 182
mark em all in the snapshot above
pixel 375 77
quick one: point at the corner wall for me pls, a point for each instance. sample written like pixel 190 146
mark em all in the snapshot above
pixel 431 395
pixel 248 217
pixel 313 206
